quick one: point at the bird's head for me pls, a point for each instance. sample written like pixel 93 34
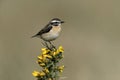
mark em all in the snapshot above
pixel 56 22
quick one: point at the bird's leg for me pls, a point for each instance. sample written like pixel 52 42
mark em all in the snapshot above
pixel 51 45
pixel 45 44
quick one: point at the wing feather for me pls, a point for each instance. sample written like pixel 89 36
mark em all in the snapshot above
pixel 46 29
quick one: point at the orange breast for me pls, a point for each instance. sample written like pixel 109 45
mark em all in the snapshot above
pixel 56 29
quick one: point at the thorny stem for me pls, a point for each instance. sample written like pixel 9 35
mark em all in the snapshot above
pixel 48 61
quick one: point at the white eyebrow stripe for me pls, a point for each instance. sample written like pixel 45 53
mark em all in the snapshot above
pixel 55 21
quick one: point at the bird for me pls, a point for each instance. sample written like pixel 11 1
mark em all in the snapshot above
pixel 51 31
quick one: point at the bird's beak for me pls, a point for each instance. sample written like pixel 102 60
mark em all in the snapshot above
pixel 62 21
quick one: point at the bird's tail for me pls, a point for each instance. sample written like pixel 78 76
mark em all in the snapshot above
pixel 34 36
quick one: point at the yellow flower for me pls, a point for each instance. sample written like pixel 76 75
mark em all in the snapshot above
pixel 42 64
pixel 44 51
pixel 54 53
pixel 39 61
pixel 60 49
pixel 47 56
pixel 60 68
pixel 57 52
pixel 40 57
pixel 46 70
pixel 42 74
pixel 35 73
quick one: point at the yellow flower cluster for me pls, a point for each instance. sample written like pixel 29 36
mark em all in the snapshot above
pixel 47 60
pixel 48 55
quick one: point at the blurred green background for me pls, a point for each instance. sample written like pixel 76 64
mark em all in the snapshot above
pixel 90 37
